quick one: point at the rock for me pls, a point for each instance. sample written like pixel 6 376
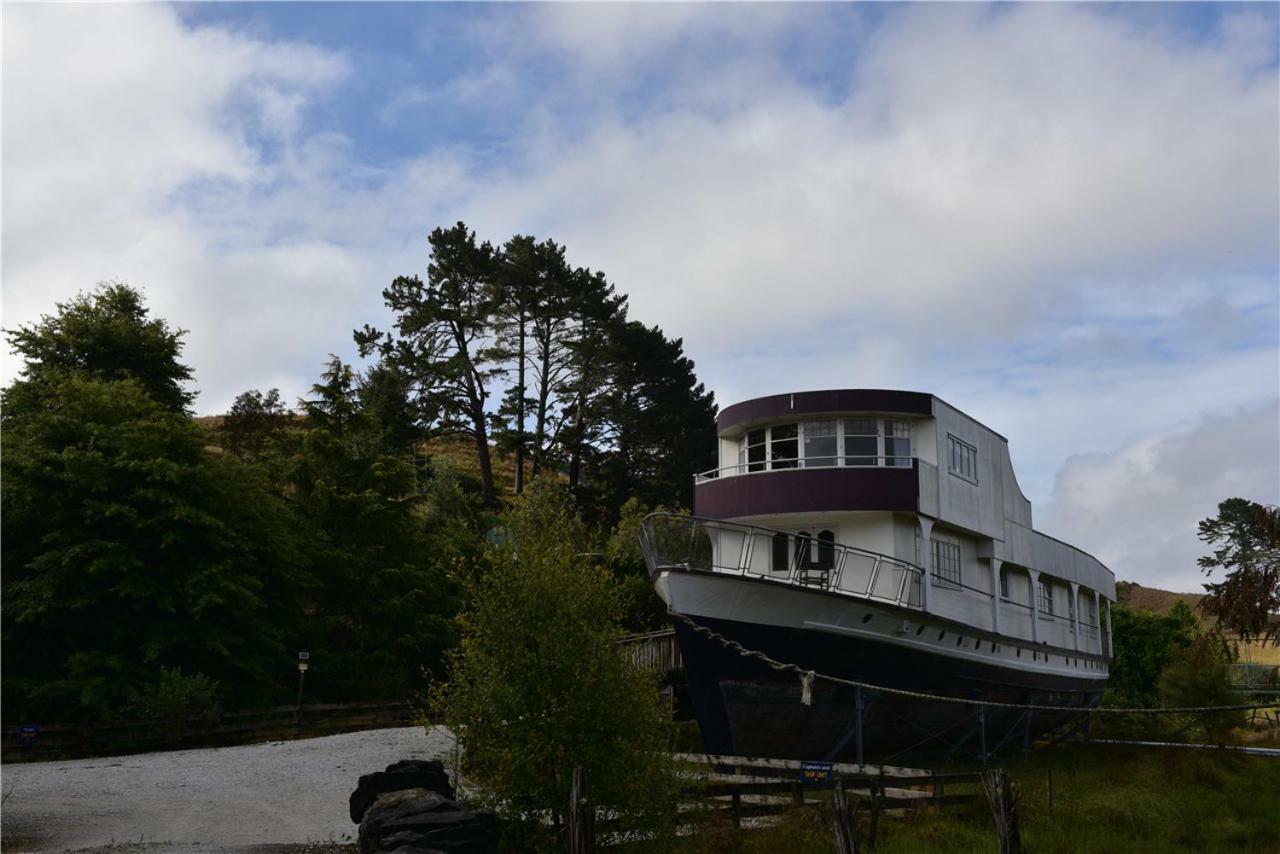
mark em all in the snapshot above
pixel 405 774
pixel 420 820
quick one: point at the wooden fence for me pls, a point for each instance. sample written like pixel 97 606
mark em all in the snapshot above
pixel 655 652
pixel 755 787
pixel 748 791
pixel 105 738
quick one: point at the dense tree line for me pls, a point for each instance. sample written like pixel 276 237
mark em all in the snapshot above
pixel 150 556
pixel 612 404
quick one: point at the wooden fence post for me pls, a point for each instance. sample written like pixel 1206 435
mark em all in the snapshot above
pixel 846 834
pixel 1003 799
pixel 877 798
pixel 582 837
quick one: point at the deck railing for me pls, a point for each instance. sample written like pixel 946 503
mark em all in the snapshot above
pixel 677 541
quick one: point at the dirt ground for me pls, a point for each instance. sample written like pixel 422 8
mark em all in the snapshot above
pixel 203 801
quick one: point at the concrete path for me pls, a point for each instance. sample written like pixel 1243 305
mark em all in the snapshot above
pixel 284 792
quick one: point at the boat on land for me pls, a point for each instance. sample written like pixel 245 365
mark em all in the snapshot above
pixel 878 537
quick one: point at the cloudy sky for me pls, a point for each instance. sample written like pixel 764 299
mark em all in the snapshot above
pixel 1062 219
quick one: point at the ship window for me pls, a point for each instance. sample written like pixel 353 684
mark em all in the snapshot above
pixel 897 443
pixel 826 550
pixel 946 561
pixel 756 450
pixel 1004 583
pixel 861 442
pixel 1046 600
pixel 784 446
pixel 779 553
pixel 962 459
pixel 820 443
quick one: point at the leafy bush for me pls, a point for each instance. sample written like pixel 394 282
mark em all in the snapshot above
pixel 539 683
pixel 1201 676
pixel 177 695
pixel 1144 645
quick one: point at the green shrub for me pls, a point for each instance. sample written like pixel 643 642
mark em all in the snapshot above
pixel 177 695
pixel 539 684
pixel 1201 676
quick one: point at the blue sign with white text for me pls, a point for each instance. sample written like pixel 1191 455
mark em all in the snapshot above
pixel 815 772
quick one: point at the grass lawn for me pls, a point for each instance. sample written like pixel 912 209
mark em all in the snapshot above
pixel 1105 798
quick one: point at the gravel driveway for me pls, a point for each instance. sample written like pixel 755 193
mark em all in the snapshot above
pixel 280 792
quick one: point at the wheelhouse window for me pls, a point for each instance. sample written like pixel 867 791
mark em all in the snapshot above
pixel 820 443
pixel 962 459
pixel 825 444
pixel 946 561
pixel 897 443
pixel 757 450
pixel 784 446
pixel 861 442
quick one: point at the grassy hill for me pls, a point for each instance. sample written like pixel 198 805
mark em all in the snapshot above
pixel 1139 598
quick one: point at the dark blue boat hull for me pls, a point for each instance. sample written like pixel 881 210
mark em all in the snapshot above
pixel 746 708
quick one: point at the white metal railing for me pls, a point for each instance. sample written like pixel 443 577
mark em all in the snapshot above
pixel 790 463
pixel 677 541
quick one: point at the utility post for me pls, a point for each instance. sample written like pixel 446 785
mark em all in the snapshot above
pixel 304 661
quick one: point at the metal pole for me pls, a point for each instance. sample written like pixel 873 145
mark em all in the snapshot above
pixel 982 732
pixel 857 708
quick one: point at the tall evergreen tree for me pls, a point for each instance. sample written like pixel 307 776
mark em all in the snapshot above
pixel 1246 540
pixel 518 287
pixel 661 421
pixel 554 307
pixel 128 548
pixel 443 338
pixel 584 394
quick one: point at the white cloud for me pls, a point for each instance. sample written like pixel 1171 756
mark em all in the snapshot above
pixel 112 116
pixel 980 162
pixel 1136 507
pixel 959 187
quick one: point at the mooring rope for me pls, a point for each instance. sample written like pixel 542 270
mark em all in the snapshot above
pixel 807 677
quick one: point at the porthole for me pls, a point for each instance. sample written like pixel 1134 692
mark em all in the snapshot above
pixel 942 634
pixel 960 641
pixel 1019 652
pixel 993 647
pixel 866 618
pixel 920 629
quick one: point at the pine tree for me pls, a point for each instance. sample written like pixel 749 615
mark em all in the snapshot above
pixel 444 341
